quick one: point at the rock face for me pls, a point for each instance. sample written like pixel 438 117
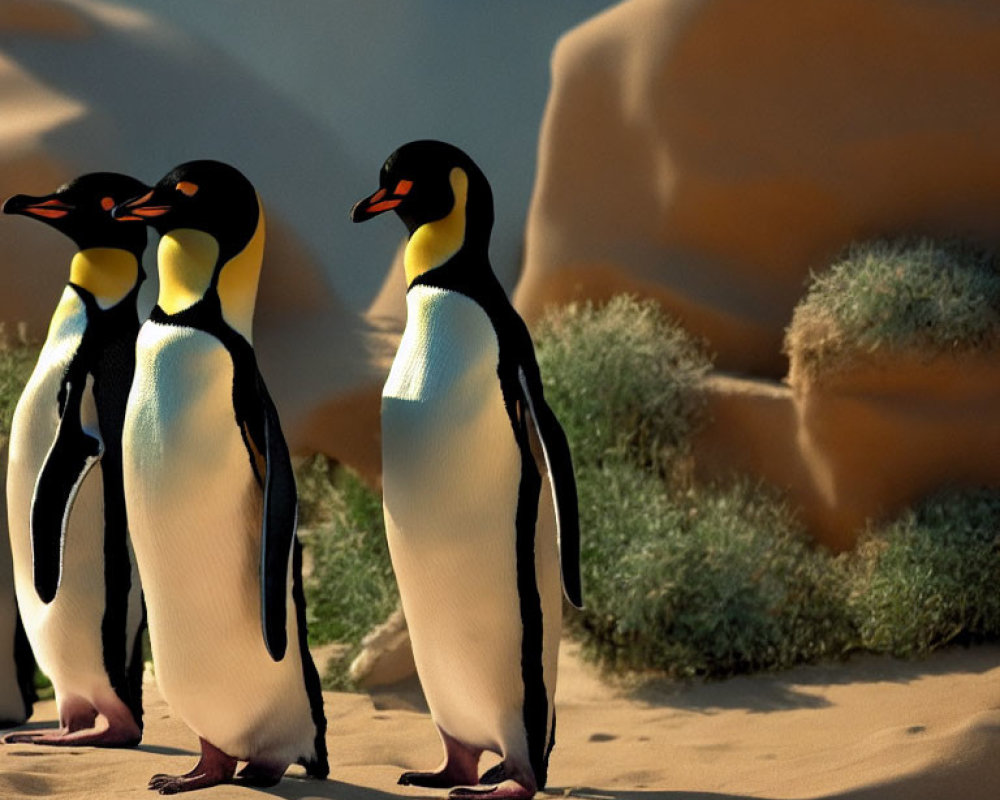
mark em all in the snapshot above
pixel 861 443
pixel 709 153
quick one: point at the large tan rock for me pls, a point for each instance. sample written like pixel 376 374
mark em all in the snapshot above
pixel 709 153
pixel 860 443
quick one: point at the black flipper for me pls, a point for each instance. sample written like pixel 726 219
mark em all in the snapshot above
pixel 278 534
pixel 559 465
pixel 73 453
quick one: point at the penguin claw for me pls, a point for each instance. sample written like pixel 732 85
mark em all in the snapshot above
pixel 27 737
pixel 175 784
pixel 213 768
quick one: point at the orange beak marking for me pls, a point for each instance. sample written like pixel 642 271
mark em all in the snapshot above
pixel 48 213
pixel 150 211
pixel 403 187
pixel 385 205
pixel 140 200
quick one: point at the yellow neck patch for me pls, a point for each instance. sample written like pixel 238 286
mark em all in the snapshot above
pixel 433 243
pixel 106 272
pixel 185 260
pixel 238 281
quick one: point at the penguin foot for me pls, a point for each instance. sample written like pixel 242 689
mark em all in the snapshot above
pixel 461 766
pixel 108 737
pixel 213 768
pixel 505 780
pixel 23 737
pixel 507 790
pixel 260 774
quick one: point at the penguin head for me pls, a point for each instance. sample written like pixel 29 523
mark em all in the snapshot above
pixel 81 210
pixel 211 226
pixel 442 197
pixel 206 196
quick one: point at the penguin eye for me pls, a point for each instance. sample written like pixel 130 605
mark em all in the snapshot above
pixel 107 203
pixel 187 188
pixel 403 187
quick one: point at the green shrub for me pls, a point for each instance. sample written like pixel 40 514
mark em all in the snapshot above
pixel 17 360
pixel 710 582
pixel 930 576
pixel 350 587
pixel 906 295
pixel 679 578
pixel 621 378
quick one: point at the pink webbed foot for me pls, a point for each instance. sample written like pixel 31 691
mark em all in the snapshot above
pixel 507 790
pixel 461 766
pixel 106 737
pixel 77 729
pixel 213 768
pixel 502 781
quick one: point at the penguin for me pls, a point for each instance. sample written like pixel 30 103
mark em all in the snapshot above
pixel 77 586
pixel 211 495
pixel 468 447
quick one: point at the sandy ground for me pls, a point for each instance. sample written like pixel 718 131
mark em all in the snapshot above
pixel 870 729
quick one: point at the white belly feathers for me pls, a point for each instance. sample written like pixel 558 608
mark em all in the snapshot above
pixel 451 471
pixel 195 509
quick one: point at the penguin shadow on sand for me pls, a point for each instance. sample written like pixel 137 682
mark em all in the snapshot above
pixel 587 793
pixel 295 788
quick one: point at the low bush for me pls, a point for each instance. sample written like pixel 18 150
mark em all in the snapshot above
pixel 713 581
pixel 904 295
pixel 350 586
pixel 622 378
pixel 17 360
pixel 931 576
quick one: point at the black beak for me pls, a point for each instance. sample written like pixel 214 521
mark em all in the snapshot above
pixel 373 205
pixel 45 207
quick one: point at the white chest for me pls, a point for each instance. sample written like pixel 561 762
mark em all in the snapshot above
pixel 447 357
pixel 442 399
pixel 179 423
